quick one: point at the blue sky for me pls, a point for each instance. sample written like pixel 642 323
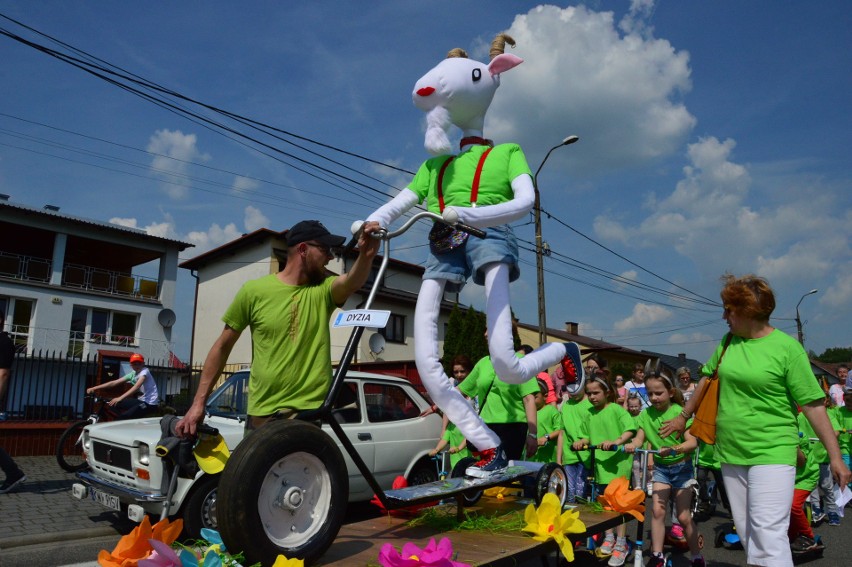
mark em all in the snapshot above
pixel 714 137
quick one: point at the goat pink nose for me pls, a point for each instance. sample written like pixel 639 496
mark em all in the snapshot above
pixel 425 91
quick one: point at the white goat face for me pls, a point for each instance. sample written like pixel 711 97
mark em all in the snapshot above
pixel 462 86
pixel 458 91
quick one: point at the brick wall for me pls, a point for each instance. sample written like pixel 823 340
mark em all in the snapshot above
pixel 27 438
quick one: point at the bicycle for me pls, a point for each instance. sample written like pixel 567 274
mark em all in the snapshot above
pixel 69 450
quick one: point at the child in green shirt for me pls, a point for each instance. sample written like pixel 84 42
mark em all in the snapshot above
pixel 800 534
pixel 549 426
pixel 574 419
pixel 456 442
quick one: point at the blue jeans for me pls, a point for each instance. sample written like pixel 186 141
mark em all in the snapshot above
pixel 675 475
pixel 456 266
pixel 576 474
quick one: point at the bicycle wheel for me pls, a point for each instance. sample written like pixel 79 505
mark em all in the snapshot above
pixel 69 450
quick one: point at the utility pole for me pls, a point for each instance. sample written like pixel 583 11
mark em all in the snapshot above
pixel 798 320
pixel 539 245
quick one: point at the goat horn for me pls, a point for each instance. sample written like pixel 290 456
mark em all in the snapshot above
pixel 498 46
pixel 457 52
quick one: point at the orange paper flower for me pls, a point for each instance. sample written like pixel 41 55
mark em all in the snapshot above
pixel 619 498
pixel 134 546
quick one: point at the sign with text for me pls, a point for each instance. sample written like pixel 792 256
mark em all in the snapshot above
pixel 373 318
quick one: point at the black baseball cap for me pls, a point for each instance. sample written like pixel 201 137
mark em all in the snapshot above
pixel 313 230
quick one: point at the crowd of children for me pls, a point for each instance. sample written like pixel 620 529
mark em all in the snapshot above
pixel 622 421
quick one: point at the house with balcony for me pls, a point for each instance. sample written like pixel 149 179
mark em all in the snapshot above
pixel 220 272
pixel 81 287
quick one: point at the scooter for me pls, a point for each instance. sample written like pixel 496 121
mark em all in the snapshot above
pixel 285 488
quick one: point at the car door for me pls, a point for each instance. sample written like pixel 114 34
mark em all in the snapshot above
pixel 347 410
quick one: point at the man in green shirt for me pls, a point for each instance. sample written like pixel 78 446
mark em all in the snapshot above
pixel 288 315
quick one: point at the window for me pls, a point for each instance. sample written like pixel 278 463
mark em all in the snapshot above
pixel 395 329
pixel 17 315
pixel 100 326
pixel 387 402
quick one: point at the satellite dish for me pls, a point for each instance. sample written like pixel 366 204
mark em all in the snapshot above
pixel 377 343
pixel 166 317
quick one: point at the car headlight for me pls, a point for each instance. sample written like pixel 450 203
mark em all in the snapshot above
pixel 87 441
pixel 144 454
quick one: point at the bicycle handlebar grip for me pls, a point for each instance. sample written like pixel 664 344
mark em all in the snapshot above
pixel 472 230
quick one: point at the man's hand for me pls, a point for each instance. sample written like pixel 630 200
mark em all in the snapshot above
pixel 187 425
pixel 840 472
pixel 367 244
pixel 532 446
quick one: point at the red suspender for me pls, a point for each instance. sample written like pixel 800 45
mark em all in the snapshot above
pixel 474 190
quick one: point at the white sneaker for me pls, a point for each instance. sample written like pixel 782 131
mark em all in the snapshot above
pixel 619 556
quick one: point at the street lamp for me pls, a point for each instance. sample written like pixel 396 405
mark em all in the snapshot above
pixel 799 321
pixel 539 250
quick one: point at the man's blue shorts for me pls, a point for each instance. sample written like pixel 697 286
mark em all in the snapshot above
pixel 456 266
pixel 675 475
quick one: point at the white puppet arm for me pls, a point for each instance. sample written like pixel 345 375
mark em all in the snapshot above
pixel 501 213
pixel 394 208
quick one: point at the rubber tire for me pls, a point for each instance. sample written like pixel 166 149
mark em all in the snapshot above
pixel 470 497
pixel 423 471
pixel 551 478
pixel 248 489
pixel 69 454
pixel 199 510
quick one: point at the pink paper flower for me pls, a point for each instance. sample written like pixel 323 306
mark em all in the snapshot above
pixel 440 555
pixel 163 556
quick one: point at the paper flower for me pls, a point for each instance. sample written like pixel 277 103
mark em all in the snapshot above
pixel 135 545
pixel 163 556
pixel 549 522
pixel 282 561
pixel 619 498
pixel 432 555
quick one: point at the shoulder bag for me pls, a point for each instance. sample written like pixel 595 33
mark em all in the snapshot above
pixel 707 404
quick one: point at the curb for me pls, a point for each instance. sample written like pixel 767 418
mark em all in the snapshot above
pixel 56 537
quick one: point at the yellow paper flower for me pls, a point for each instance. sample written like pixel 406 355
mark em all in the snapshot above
pixel 282 561
pixel 134 546
pixel 498 492
pixel 549 522
pixel 619 498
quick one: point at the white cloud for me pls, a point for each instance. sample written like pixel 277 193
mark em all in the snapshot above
pixel 618 91
pixel 254 219
pixel 643 317
pixel 244 184
pixel 175 152
pixel 211 238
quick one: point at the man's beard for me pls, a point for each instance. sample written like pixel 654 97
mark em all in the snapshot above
pixel 316 277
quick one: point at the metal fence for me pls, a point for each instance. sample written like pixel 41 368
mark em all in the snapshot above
pixel 49 386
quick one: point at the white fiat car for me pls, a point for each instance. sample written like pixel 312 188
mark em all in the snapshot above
pixel 379 414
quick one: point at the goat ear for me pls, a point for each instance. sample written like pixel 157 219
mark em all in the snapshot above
pixel 503 62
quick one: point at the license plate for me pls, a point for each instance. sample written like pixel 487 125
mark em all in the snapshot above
pixel 104 499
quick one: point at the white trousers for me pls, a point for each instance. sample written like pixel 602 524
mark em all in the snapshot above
pixel 761 497
pixel 509 368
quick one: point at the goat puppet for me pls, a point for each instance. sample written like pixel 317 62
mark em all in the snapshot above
pixel 487 187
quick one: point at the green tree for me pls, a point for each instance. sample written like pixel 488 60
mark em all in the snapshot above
pixel 835 355
pixel 454 338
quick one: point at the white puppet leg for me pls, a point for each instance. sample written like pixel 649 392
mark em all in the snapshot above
pixel 457 409
pixel 498 316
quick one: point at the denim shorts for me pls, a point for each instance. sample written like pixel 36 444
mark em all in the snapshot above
pixel 456 266
pixel 676 475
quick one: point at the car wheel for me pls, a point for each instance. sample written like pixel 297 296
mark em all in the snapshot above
pixel 551 478
pixel 283 491
pixel 424 471
pixel 199 511
pixel 470 497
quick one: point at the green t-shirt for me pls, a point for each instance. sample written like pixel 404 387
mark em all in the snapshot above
pixel 707 456
pixel 807 476
pixel 504 163
pixel 817 448
pixel 503 403
pixel 650 420
pixel 454 437
pixel 575 425
pixel 844 419
pixel 290 342
pixel 760 382
pixel 608 424
pixel 549 420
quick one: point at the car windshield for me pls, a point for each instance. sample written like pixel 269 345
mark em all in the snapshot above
pixel 231 398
